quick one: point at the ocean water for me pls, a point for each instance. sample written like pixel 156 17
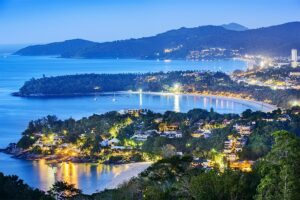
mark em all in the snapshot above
pixel 16 112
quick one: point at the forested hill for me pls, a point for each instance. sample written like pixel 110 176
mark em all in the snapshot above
pixel 85 84
pixel 177 44
pixel 215 83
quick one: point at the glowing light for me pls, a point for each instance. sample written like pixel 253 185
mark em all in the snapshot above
pixel 176 88
pixel 295 103
pixel 176 103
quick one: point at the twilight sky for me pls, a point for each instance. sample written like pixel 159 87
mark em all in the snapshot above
pixel 42 21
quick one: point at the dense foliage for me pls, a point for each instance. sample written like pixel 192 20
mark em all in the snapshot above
pixel 275 174
pixel 217 83
pixel 12 188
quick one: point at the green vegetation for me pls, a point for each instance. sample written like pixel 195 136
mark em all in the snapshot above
pixel 215 83
pixel 82 139
pixel 274 144
pixel 275 176
pixel 12 188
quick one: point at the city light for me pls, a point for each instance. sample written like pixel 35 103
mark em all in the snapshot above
pixel 295 103
pixel 176 87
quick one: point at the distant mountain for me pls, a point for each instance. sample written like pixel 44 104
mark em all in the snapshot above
pixel 57 48
pixel 181 43
pixel 234 27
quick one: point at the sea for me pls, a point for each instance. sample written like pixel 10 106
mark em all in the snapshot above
pixel 16 112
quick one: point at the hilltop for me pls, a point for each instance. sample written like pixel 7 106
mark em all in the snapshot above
pixel 210 41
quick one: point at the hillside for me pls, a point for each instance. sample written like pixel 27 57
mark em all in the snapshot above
pixel 181 43
pixel 214 83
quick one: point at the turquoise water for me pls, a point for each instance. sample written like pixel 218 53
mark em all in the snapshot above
pixel 16 112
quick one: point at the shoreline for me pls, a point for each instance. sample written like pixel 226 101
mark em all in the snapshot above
pixel 21 154
pixel 270 107
pixel 129 170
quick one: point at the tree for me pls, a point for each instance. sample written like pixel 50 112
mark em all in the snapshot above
pixel 63 190
pixel 168 151
pixel 280 170
pixel 231 185
pixel 12 188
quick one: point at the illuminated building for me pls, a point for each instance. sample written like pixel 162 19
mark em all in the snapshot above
pixel 294 58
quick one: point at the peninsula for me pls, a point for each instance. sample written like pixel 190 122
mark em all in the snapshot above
pixel 190 82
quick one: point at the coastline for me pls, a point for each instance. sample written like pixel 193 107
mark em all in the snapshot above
pixel 18 153
pixel 43 174
pixel 270 107
pixel 267 106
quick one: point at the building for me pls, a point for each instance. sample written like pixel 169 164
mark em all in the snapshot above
pixel 243 130
pixel 295 74
pixel 135 112
pixel 232 157
pixel 140 137
pixel 168 127
pixel 112 142
pixel 294 55
pixel 143 136
pixel 171 134
pixel 245 166
pixel 294 58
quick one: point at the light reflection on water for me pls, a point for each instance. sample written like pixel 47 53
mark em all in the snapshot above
pixel 15 112
pixel 88 177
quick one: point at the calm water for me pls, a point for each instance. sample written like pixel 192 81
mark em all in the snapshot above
pixel 16 112
pixel 88 177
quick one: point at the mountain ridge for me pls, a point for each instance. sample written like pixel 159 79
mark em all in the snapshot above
pixel 179 43
pixel 234 27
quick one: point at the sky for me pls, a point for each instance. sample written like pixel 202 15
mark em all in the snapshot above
pixel 44 21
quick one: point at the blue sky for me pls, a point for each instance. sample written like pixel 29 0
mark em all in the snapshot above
pixel 42 21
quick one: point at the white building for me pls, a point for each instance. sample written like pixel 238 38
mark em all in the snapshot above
pixel 294 58
pixel 294 55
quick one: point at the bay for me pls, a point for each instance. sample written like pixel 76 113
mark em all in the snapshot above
pixel 16 112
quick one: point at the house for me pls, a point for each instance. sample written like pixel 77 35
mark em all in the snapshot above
pixel 207 133
pixel 226 122
pixel 171 134
pixel 151 132
pixel 268 119
pixel 232 157
pixel 143 136
pixel 204 163
pixel 158 120
pixel 197 134
pixel 168 127
pixel 135 112
pixel 140 137
pixel 245 166
pixel 243 130
pixel 118 147
pixel 111 142
pixel 284 118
